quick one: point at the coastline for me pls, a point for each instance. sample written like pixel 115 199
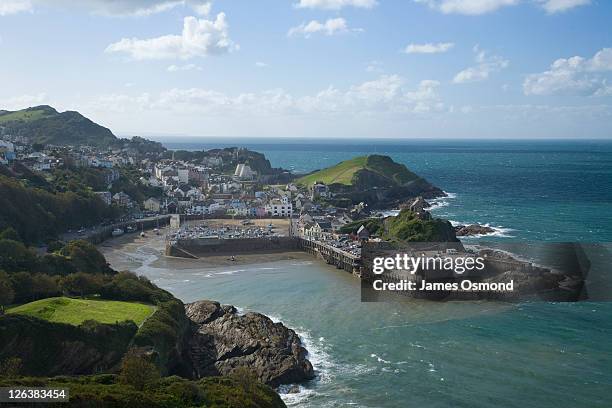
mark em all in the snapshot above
pixel 114 250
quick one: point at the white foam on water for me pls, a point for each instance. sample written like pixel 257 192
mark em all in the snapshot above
pixel 230 272
pixel 379 359
pixel 498 231
pixel 325 367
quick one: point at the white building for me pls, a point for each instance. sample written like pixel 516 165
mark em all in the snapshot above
pixel 244 172
pixel 279 208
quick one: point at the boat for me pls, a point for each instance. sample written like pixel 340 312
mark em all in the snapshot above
pixel 117 232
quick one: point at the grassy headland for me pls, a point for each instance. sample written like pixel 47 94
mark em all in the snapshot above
pixel 76 311
pixel 348 171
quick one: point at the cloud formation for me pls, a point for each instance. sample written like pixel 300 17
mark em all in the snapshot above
pixel 558 6
pixel 574 76
pixel 22 101
pixel 485 66
pixel 8 7
pixel 428 48
pixel 335 4
pixel 468 7
pixel 121 8
pixel 385 95
pixel 186 67
pixel 330 27
pixel 199 38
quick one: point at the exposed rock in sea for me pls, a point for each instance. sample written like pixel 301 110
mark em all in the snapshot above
pixel 224 341
pixel 473 229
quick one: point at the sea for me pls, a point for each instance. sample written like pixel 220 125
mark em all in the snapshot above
pixel 425 354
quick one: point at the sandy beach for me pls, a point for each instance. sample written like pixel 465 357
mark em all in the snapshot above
pixel 151 248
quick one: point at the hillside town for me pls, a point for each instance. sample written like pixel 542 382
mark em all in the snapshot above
pixel 218 184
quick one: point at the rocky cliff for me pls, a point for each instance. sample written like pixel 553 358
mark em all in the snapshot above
pixel 224 340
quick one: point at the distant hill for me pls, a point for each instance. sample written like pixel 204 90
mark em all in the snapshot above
pixel 360 169
pixel 43 124
pixel 374 179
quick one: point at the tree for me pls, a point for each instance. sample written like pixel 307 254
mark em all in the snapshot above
pixel 22 285
pixel 10 233
pixel 86 257
pixel 82 284
pixel 10 367
pixel 7 294
pixel 14 256
pixel 44 286
pixel 137 370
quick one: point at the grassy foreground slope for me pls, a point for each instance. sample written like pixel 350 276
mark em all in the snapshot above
pixel 76 311
pixel 348 171
pixel 171 392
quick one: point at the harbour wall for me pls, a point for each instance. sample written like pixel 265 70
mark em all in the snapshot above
pixel 105 233
pixel 202 247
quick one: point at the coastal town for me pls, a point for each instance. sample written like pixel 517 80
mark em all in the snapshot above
pixel 218 185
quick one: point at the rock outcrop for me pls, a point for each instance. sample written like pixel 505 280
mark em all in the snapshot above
pixel 473 229
pixel 224 340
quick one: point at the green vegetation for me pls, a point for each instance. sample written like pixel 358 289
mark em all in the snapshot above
pixel 26 115
pixel 47 348
pixel 106 390
pixel 76 311
pixel 38 215
pixel 406 226
pixel 341 173
pixel 163 331
pixel 354 171
pixel 45 125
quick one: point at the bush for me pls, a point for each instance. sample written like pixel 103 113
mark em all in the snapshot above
pixel 82 284
pixel 7 294
pixel 138 371
pixel 85 257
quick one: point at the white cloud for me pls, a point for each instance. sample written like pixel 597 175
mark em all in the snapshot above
pixel 202 9
pixel 428 48
pixel 557 6
pixel 186 67
pixel 573 76
pixel 375 66
pixel 468 7
pixel 485 66
pixel 336 4
pixel 126 8
pixel 330 27
pixel 260 64
pixel 386 95
pixel 8 7
pixel 22 101
pixel 200 37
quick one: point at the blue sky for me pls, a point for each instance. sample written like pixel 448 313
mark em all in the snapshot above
pixel 315 68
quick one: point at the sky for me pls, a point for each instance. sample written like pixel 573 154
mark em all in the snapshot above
pixel 315 68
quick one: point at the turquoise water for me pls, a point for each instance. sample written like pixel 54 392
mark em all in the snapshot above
pixel 457 354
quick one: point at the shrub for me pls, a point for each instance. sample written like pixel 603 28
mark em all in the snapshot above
pixel 138 371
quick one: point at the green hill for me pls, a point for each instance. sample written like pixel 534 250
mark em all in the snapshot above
pixel 406 226
pixel 43 124
pixel 375 180
pixel 76 311
pixel 351 172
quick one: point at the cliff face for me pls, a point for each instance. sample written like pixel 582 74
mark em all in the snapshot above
pixel 224 341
